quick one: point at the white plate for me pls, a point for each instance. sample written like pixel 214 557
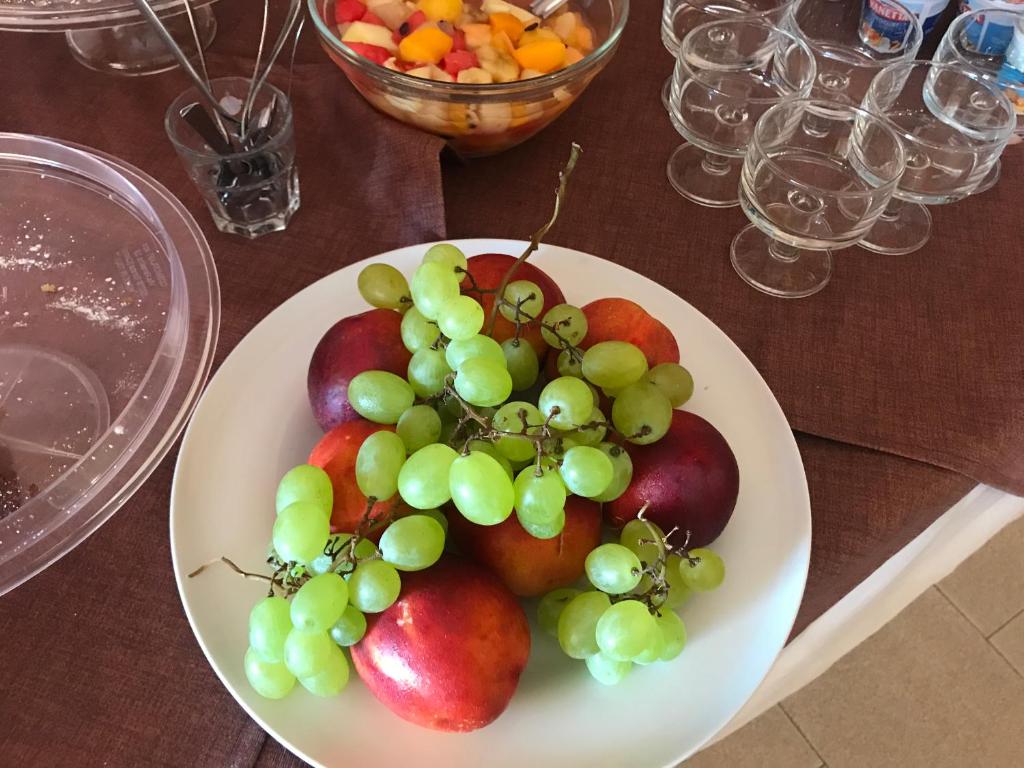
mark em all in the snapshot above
pixel 254 423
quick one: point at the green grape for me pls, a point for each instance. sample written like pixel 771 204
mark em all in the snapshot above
pixel 323 562
pixel 433 286
pixel 491 450
pixel 606 670
pixel 269 625
pixel 642 413
pixel 319 603
pixel 413 543
pixel 460 350
pixel 577 625
pixel 380 396
pixel 331 679
pixel 613 569
pixel 305 483
pixel 652 652
pixel 374 586
pixel 572 399
pixel 593 429
pixel 622 472
pixel 461 318
pixel 300 532
pixel 418 426
pixel 350 628
pixel 446 255
pixel 678 590
pixel 673 635
pixel 378 463
pixel 644 539
pixel 525 295
pixel 481 381
pixel 569 321
pixel 545 529
pixel 704 572
pixel 614 364
pixel 427 372
pixel 437 515
pixel 306 653
pixel 384 286
pixel 569 365
pixel 521 360
pixel 364 549
pixel 480 489
pixel 539 499
pixel 551 606
pixel 509 418
pixel 625 630
pixel 270 679
pixel 673 380
pixel 423 479
pixel 587 471
pixel 417 331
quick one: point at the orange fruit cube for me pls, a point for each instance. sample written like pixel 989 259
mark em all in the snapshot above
pixel 507 23
pixel 543 56
pixel 426 45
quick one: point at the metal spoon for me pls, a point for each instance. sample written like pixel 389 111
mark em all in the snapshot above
pixel 546 8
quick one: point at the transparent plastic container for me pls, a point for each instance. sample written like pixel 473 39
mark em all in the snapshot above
pixel 109 311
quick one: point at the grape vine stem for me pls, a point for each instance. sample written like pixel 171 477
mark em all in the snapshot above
pixel 540 234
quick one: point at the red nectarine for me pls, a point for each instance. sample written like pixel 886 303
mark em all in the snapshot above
pixel 617 319
pixel 448 654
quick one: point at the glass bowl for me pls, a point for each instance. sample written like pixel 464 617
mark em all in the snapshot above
pixel 476 119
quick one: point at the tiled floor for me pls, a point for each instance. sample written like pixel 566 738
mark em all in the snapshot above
pixel 941 686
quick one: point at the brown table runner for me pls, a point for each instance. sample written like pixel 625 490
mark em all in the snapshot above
pixel 97 663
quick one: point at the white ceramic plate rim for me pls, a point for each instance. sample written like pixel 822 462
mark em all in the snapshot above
pixel 801 558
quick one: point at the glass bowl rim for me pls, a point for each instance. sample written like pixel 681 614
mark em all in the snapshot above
pixel 908 137
pixel 830 108
pixel 801 44
pixel 545 82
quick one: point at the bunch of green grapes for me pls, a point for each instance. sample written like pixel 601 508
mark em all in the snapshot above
pixel 465 440
pixel 332 581
pixel 629 617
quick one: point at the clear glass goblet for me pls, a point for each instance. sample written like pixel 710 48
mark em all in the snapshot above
pixel 729 73
pixel 816 176
pixel 978 41
pixel 848 50
pixel 953 124
pixel 678 17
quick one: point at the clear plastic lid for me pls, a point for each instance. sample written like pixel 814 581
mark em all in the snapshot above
pixel 109 310
pixel 60 15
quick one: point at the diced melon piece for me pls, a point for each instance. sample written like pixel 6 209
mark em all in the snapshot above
pixel 500 6
pixel 503 42
pixel 526 74
pixel 572 55
pixel 475 76
pixel 392 13
pixel 544 56
pixel 430 72
pixel 536 36
pixel 371 34
pixel 477 35
pixel 582 38
pixel 441 10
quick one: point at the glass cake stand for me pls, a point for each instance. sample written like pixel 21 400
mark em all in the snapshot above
pixel 110 35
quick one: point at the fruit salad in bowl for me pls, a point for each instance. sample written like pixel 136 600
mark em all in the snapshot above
pixel 484 74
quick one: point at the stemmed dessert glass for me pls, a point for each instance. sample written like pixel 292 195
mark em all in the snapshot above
pixel 678 17
pixel 816 176
pixel 728 73
pixel 953 124
pixel 847 50
pixel 977 41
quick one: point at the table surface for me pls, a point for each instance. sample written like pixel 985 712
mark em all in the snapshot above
pixel 97 649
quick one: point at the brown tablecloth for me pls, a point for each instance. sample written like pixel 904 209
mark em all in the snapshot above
pixel 901 367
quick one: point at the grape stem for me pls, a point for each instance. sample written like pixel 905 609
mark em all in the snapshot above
pixel 230 564
pixel 538 236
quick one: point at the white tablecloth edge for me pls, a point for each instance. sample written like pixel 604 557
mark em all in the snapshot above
pixel 935 553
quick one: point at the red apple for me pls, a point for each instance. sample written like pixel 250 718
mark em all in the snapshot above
pixel 448 654
pixel 623 320
pixel 488 270
pixel 371 341
pixel 336 455
pixel 527 565
pixel 689 479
